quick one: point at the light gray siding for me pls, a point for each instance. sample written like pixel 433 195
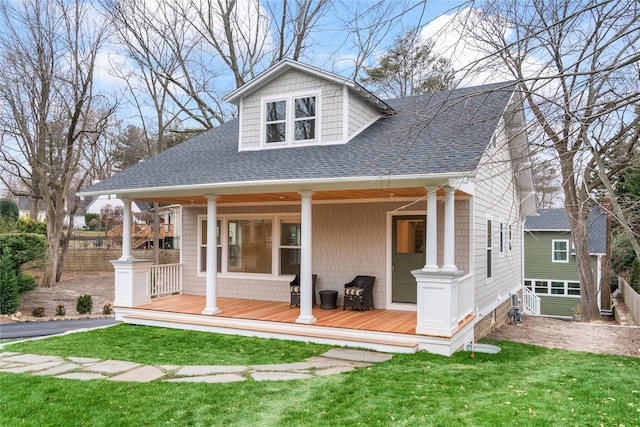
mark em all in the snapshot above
pixel 349 239
pixel 496 200
pixel 330 115
pixel 361 114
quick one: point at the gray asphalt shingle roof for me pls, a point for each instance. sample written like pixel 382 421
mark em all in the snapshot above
pixel 430 134
pixel 558 220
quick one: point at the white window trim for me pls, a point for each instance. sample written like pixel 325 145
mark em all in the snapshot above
pixel 276 221
pixel 290 119
pixel 553 251
pixel 488 248
pixel 548 287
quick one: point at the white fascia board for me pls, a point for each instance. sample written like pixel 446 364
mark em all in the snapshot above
pixel 274 186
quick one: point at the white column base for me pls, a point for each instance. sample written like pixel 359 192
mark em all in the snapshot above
pixel 306 319
pixel 132 282
pixel 437 302
pixel 211 311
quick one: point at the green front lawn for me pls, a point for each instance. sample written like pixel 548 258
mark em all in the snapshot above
pixel 522 385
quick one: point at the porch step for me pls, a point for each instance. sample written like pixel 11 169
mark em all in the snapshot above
pixel 323 333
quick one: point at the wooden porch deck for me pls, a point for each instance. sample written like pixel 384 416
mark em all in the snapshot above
pixel 378 320
pixel 382 330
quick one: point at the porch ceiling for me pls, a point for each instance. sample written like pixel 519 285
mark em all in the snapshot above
pixel 336 195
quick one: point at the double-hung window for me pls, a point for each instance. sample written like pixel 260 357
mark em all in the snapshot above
pixel 560 249
pixel 202 243
pixel 489 250
pixel 290 120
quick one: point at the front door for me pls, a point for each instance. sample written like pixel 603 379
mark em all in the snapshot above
pixel 408 241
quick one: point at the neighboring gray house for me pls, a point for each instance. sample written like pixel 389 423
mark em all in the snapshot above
pixel 317 175
pixel 550 265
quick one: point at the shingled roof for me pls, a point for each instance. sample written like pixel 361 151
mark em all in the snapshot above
pixel 558 220
pixel 443 132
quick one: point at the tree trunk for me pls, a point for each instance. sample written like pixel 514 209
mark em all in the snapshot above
pixel 578 225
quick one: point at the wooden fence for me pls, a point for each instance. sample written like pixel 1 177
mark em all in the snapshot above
pixel 631 299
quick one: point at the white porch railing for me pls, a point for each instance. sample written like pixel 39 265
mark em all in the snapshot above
pixel 465 296
pixel 530 302
pixel 165 279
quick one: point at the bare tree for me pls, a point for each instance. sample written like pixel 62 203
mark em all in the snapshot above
pixel 48 52
pixel 577 64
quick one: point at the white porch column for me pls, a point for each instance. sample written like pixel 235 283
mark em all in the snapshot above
pixel 449 263
pixel 127 220
pixel 432 231
pixel 306 261
pixel 211 306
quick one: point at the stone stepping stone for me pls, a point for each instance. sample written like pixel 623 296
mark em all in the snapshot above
pixel 58 369
pixel 83 360
pixel 140 375
pixel 112 366
pixel 84 376
pixel 297 366
pixel 357 355
pixel 325 362
pixel 334 370
pixel 31 358
pixel 190 371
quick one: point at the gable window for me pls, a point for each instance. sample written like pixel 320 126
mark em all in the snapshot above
pixel 560 250
pixel 276 121
pixel 304 125
pixel 290 120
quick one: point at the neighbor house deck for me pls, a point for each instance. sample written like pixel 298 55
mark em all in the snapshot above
pixel 386 330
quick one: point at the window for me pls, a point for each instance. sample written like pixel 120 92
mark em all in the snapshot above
pixel 304 125
pixel 560 250
pixel 509 239
pixel 265 244
pixel 276 121
pixel 489 249
pixel 250 246
pixel 202 256
pixel 290 233
pixel 290 120
pixel 553 287
pixel 573 288
pixel 501 237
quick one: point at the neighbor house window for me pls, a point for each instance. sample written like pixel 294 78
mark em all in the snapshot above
pixel 553 287
pixel 290 242
pixel 202 244
pixel 290 120
pixel 509 239
pixel 501 237
pixel 560 250
pixel 489 250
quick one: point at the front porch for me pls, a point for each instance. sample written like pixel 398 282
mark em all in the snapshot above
pixel 381 330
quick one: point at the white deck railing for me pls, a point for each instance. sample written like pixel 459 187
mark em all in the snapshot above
pixel 165 279
pixel 530 302
pixel 465 296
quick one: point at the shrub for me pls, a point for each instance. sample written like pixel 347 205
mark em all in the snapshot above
pixel 38 311
pixel 9 209
pixel 634 282
pixel 84 304
pixel 23 247
pixel 9 291
pixel 107 309
pixel 30 225
pixel 60 310
pixel 91 220
pixel 26 283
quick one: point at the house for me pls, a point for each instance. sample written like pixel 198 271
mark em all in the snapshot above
pixel 550 266
pixel 317 175
pixel 96 204
pixel 24 209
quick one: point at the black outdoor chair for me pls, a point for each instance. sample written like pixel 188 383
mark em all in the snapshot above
pixel 359 293
pixel 294 286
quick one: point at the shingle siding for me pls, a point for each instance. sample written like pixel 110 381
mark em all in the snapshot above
pixel 348 239
pixel 361 114
pixel 330 116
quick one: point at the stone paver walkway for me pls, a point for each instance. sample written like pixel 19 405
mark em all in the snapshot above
pixel 335 361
